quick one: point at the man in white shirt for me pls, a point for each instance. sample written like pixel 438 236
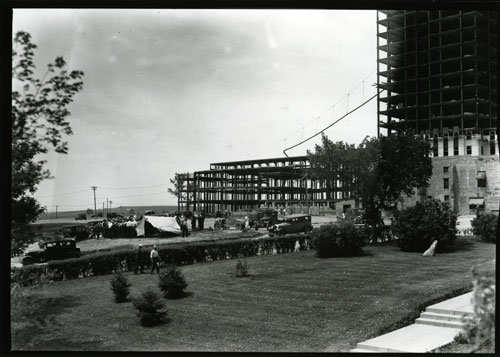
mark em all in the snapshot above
pixel 155 260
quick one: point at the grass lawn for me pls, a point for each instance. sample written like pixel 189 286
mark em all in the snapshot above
pixel 291 302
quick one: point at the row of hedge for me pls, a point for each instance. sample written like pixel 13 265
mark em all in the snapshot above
pixel 102 263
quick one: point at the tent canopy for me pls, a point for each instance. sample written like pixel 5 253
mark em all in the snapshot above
pixel 162 224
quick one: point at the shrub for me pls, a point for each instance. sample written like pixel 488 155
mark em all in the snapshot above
pixel 120 287
pixel 106 262
pixel 418 226
pixel 150 308
pixel 241 269
pixel 485 226
pixel 480 330
pixel 338 240
pixel 172 282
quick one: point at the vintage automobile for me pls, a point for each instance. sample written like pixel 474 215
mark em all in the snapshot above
pixel 81 217
pixel 79 232
pixel 384 228
pixel 227 221
pixel 52 250
pixel 263 218
pixel 294 223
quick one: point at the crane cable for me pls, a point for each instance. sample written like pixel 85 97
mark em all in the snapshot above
pixel 332 124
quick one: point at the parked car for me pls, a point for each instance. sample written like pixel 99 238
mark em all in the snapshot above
pixel 294 223
pixel 384 228
pixel 79 232
pixel 81 217
pixel 52 250
pixel 227 221
pixel 263 218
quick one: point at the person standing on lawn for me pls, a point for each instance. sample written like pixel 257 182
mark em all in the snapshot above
pixel 184 227
pixel 139 260
pixel 193 222
pixel 155 260
pixel 201 220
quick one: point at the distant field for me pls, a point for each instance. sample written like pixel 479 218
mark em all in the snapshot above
pixel 292 302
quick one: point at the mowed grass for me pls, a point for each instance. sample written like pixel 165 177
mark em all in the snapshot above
pixel 292 302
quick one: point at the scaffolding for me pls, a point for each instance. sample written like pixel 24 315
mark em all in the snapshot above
pixel 437 71
pixel 251 184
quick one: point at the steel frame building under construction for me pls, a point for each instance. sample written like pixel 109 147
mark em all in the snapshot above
pixel 246 185
pixel 437 71
pixel 437 75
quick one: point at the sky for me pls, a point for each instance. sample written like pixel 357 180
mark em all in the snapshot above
pixel 174 90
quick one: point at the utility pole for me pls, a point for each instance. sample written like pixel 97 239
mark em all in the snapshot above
pixel 110 202
pixel 56 211
pixel 95 207
pixel 107 207
pixel 103 210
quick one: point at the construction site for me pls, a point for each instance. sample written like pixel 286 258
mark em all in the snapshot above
pixel 437 77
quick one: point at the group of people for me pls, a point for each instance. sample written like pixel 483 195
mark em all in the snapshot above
pixel 140 260
pixel 118 227
pixel 182 220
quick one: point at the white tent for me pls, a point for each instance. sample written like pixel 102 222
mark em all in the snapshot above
pixel 162 224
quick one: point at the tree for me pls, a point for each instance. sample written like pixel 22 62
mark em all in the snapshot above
pixel 39 121
pixel 182 189
pixel 378 172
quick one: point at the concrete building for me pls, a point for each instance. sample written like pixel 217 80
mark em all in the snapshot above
pixel 437 71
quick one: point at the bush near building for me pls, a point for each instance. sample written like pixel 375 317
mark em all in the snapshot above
pixel 172 283
pixel 150 308
pixel 479 331
pixel 120 287
pixel 418 226
pixel 485 226
pixel 340 239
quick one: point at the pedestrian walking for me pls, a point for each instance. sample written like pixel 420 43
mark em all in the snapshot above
pixel 184 228
pixel 155 260
pixel 201 220
pixel 193 222
pixel 139 260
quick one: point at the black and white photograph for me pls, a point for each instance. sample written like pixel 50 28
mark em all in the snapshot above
pixel 254 179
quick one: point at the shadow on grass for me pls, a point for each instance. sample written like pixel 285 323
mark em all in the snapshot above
pixel 460 245
pixel 32 314
pixel 184 295
pixel 154 324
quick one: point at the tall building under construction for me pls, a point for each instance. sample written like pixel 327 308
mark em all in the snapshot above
pixel 437 72
pixel 437 76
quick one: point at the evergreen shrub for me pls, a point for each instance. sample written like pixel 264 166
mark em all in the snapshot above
pixel 418 226
pixel 480 329
pixel 172 283
pixel 340 239
pixel 150 308
pixel 485 226
pixel 242 269
pixel 120 287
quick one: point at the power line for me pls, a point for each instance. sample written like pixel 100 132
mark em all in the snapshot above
pixel 61 194
pixel 108 188
pixel 130 188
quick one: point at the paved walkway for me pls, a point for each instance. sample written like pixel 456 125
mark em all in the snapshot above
pixel 436 327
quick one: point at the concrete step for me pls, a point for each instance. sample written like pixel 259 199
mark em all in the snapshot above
pixel 412 338
pixel 368 347
pixel 440 323
pixel 361 350
pixel 437 316
pixel 449 311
